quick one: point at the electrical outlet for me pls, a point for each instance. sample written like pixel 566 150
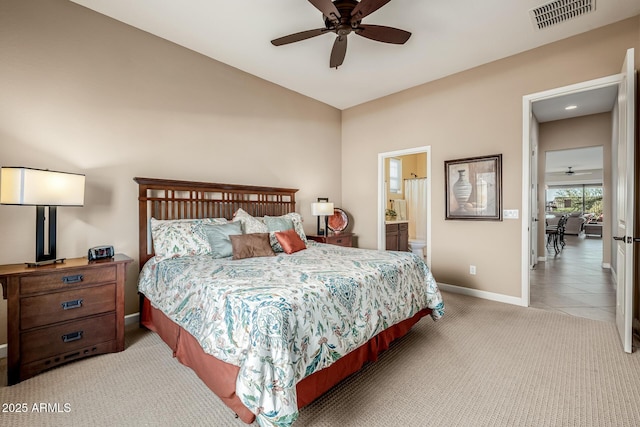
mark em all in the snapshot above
pixel 472 270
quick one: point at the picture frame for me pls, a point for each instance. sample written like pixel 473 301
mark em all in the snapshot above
pixel 473 188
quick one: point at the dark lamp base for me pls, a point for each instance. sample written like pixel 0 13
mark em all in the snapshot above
pixel 47 262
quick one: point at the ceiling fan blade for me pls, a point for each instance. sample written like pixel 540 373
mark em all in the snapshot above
pixel 327 8
pixel 383 34
pixel 366 7
pixel 296 37
pixel 338 52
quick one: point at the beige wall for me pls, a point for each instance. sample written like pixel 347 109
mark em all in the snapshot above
pixel 80 92
pixel 473 113
pixel 580 132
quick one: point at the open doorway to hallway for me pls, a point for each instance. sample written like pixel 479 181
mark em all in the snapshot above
pixel 574 277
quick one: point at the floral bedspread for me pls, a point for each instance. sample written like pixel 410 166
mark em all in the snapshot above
pixel 283 318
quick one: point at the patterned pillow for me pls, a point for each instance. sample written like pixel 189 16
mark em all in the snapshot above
pixel 250 224
pixel 181 237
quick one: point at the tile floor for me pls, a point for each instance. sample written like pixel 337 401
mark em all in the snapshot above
pixel 574 281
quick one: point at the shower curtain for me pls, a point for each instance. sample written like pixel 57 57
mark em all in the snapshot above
pixel 416 196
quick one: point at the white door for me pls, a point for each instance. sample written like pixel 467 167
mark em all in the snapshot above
pixel 623 229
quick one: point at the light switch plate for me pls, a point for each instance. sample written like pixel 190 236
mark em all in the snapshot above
pixel 510 213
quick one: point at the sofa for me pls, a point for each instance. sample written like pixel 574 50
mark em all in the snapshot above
pixel 575 222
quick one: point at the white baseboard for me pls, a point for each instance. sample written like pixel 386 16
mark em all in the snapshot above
pixel 481 294
pixel 129 319
pixel 606 265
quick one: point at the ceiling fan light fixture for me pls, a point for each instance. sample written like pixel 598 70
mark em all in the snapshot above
pixel 343 17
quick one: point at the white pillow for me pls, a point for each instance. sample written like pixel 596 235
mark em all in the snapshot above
pixel 249 223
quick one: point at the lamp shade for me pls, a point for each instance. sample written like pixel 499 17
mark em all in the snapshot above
pixel 26 186
pixel 321 208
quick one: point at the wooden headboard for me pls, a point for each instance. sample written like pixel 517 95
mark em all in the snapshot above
pixel 170 199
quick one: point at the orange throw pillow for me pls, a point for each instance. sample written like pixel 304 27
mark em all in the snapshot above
pixel 290 241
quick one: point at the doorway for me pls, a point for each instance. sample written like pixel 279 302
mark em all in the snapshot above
pixel 623 177
pixel 574 277
pixel 383 201
pixel 549 105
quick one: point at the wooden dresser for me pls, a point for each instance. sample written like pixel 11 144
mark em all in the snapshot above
pixel 340 239
pixel 63 312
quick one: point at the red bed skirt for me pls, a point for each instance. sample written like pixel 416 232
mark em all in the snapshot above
pixel 220 376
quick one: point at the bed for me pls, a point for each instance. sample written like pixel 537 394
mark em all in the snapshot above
pixel 270 334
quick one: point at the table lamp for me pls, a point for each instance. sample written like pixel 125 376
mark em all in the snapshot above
pixel 322 209
pixel 46 190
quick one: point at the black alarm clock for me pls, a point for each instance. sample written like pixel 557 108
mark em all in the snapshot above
pixel 100 252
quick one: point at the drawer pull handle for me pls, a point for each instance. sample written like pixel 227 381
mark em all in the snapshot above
pixel 68 305
pixel 72 279
pixel 72 336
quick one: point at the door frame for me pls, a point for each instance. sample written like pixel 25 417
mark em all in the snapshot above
pixel 382 201
pixel 527 116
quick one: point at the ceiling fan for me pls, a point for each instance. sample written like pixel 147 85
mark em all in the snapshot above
pixel 343 17
pixel 571 172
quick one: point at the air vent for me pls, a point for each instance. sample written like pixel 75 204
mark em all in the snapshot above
pixel 559 11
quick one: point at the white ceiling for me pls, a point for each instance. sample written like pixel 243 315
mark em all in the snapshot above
pixel 580 159
pixel 448 36
pixel 587 163
pixel 594 101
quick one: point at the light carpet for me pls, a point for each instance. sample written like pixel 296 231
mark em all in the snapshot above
pixel 484 364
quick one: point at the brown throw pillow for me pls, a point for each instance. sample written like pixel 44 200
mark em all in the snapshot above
pixel 251 245
pixel 290 241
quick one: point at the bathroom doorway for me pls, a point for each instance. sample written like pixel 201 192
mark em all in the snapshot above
pixel 410 170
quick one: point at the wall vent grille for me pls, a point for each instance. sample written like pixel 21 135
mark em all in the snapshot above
pixel 554 12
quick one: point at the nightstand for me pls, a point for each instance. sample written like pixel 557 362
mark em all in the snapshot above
pixel 340 239
pixel 62 312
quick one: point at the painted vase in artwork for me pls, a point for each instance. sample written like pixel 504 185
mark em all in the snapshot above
pixel 462 189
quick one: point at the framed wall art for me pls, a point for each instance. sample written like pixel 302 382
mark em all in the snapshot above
pixel 473 188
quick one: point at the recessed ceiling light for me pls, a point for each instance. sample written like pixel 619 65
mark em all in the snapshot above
pixel 570 107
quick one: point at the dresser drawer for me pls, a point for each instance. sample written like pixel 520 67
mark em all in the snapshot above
pixel 340 240
pixel 59 280
pixel 68 305
pixel 28 370
pixel 57 339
